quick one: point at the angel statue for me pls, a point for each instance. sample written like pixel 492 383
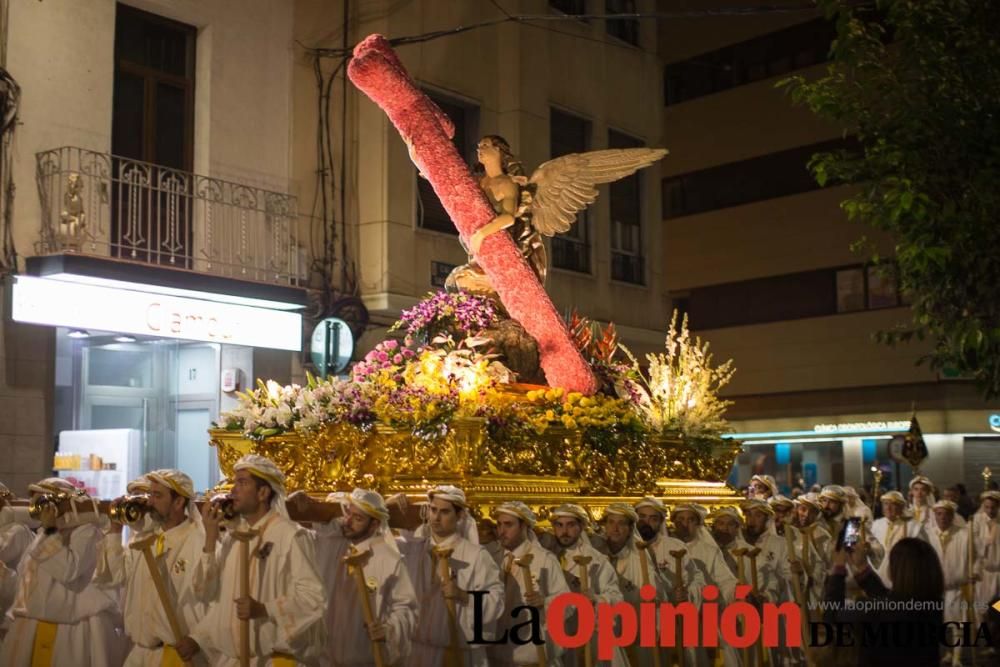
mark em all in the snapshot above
pixel 544 205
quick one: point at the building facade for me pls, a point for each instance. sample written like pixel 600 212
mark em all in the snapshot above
pixel 157 265
pixel 761 260
pixel 176 154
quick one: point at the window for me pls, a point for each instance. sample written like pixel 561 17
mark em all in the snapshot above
pixel 769 55
pixel 791 296
pixel 571 249
pixel 430 213
pixel 883 292
pixel 626 220
pixel 850 290
pixel 764 177
pixel 624 29
pixel 152 120
pixel 571 7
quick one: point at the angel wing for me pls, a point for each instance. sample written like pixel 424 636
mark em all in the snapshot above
pixel 566 185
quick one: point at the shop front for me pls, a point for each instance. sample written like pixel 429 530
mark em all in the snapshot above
pixel 848 449
pixel 146 358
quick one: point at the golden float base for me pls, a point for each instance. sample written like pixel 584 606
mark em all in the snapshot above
pixel 556 468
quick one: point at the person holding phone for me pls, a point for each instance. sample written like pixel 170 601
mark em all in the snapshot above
pixel 917 578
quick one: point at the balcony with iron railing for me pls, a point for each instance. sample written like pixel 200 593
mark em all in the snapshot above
pixel 126 210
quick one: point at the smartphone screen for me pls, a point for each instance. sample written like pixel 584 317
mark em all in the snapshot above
pixel 852 533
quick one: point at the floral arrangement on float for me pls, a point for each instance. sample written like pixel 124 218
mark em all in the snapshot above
pixel 441 401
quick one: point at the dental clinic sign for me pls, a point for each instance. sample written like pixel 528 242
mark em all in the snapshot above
pixel 83 306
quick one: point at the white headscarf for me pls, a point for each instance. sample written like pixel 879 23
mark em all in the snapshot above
pixel 945 505
pixel 77 496
pixel 265 469
pixel 137 486
pixel 763 506
pixel 573 511
pixel 767 481
pixel 931 489
pixel 699 511
pixel 181 484
pixel 372 504
pixel 657 506
pixel 524 513
pixel 626 510
pixel 466 525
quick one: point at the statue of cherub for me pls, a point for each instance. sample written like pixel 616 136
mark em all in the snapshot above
pixel 545 204
pixel 72 218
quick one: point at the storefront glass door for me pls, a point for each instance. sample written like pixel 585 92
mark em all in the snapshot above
pixel 165 390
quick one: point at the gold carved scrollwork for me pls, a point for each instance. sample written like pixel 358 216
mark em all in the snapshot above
pixel 557 463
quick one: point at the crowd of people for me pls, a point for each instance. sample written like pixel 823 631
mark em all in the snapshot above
pixel 198 586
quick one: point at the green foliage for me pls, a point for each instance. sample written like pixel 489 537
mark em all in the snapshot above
pixel 918 83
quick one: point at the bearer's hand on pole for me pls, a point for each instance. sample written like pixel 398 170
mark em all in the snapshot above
pixel 187 648
pixel 49 516
pixel 534 599
pixel 300 502
pixel 451 591
pixel 247 608
pixel 680 594
pixel 796 567
pixel 378 632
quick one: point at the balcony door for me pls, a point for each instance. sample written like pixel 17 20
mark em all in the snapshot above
pixel 152 138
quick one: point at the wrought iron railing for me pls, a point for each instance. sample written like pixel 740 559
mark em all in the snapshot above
pixel 101 204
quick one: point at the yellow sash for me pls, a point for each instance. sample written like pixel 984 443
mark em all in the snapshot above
pixel 171 658
pixel 282 660
pixel 45 644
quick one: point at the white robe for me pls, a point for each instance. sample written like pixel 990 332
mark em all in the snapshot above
pixel 815 561
pixel 14 540
pixel 55 585
pixel 549 581
pixel 145 620
pixel 987 532
pixel 708 559
pixel 953 554
pixel 474 570
pixel 393 599
pixel 283 578
pixel 888 536
pixel 603 582
pixel 694 578
pixel 636 567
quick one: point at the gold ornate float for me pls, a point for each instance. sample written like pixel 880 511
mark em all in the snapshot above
pixel 414 416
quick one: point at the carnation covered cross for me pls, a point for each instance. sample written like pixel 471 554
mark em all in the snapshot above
pixel 377 72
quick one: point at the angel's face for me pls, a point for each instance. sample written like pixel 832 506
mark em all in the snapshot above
pixel 487 152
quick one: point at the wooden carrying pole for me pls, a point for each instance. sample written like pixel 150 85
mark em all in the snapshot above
pixel 644 565
pixel 355 561
pixel 584 562
pixel 452 655
pixel 797 588
pixel 759 644
pixel 739 554
pixel 146 547
pixel 524 562
pixel 970 587
pixel 244 537
pixel 679 577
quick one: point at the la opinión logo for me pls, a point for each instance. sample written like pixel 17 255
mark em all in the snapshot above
pixel 741 624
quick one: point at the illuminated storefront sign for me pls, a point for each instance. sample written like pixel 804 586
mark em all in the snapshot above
pixel 67 304
pixel 863 427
